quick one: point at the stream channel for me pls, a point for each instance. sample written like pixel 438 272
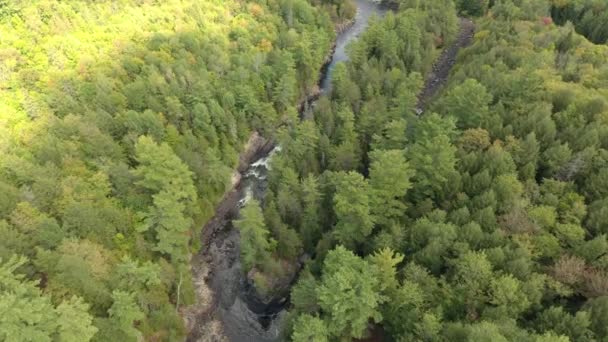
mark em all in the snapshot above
pixel 243 316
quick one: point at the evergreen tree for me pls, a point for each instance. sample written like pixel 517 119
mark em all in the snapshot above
pixel 124 313
pixel 29 315
pixel 352 208
pixel 256 244
pixel 348 294
pixel 389 179
pixel 165 175
pixel 309 328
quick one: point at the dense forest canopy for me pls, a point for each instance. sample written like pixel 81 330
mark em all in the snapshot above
pixel 482 219
pixel 588 16
pixel 120 124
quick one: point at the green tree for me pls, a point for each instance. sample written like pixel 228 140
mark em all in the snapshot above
pixel 352 207
pixel 256 243
pixel 385 261
pixel 309 328
pixel 161 172
pixel 507 295
pixel 555 319
pixel 473 7
pixel 135 276
pixel 74 322
pixel 348 294
pixel 598 311
pixel 433 157
pixel 78 267
pixel 310 230
pixel 468 103
pixel 597 221
pixel 389 179
pixel 430 240
pixel 29 315
pixel 552 337
pixel 473 275
pixel 124 313
pixel 404 310
pixel 485 332
pixel 284 91
pixel 303 294
pixel 508 191
pixel 392 136
pixel 345 155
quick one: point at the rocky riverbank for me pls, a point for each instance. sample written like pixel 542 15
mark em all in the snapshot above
pixel 441 69
pixel 199 318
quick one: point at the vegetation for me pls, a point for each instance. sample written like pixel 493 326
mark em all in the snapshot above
pixel 483 219
pixel 588 16
pixel 120 125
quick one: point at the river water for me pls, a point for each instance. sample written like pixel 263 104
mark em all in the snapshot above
pixel 243 316
pixel 365 10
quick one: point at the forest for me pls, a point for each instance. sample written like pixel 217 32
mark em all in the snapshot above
pixel 482 218
pixel 120 124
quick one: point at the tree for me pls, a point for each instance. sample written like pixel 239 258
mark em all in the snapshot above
pixel 124 313
pixel 343 88
pixel 433 158
pixel 352 208
pixel 256 244
pixel 167 218
pixel 404 310
pixel 557 320
pixel 385 261
pixel 284 91
pixel 555 157
pixel 9 200
pixel 474 8
pixel 345 155
pixel 135 276
pixel 303 149
pixel 507 295
pixel 392 137
pixel 303 294
pixel 309 328
pixel 28 315
pixel 348 294
pixel 569 234
pixel 310 229
pixel 168 178
pixel 598 312
pixel 35 227
pixel 593 250
pixel 552 337
pixel 430 240
pixel 508 191
pixel 468 103
pixel 289 245
pixel 597 221
pixel 485 332
pixel 78 267
pixel 473 275
pixel 74 322
pixel 389 179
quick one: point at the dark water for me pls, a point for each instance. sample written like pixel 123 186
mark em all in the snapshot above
pixel 244 317
pixel 365 10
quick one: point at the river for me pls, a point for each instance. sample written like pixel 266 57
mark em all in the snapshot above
pixel 365 10
pixel 243 317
